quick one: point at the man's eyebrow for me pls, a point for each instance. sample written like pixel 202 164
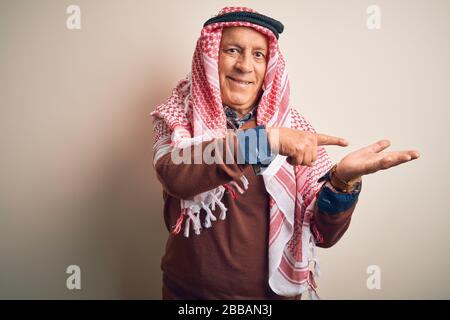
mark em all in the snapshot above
pixel 260 48
pixel 232 44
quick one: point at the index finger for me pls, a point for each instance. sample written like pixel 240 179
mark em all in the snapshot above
pixel 324 139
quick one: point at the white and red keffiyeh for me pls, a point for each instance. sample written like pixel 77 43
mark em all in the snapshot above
pixel 194 113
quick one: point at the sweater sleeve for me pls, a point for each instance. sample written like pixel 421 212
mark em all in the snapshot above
pixel 186 172
pixel 332 214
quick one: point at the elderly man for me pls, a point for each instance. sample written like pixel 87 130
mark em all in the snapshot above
pixel 257 218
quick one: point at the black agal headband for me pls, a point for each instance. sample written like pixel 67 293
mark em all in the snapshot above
pixel 273 25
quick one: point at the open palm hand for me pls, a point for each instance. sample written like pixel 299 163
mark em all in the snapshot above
pixel 371 159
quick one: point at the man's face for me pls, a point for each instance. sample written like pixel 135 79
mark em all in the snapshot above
pixel 243 59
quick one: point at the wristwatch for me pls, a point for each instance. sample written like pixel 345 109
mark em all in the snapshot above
pixel 342 185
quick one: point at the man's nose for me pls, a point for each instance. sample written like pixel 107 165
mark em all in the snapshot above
pixel 244 63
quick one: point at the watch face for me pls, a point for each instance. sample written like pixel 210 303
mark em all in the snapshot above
pixel 357 185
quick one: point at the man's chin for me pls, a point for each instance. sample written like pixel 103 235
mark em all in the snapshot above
pixel 237 105
pixel 239 101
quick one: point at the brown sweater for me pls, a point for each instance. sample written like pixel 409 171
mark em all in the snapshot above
pixel 230 259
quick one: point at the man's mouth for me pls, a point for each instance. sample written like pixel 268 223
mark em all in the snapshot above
pixel 240 82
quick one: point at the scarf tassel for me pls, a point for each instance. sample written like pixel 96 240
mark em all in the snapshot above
pixel 233 186
pixel 195 218
pixel 209 215
pixel 223 209
pixel 193 215
pixel 312 286
pixel 177 227
pixel 231 191
pixel 192 212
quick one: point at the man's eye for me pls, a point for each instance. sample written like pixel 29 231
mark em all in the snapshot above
pixel 232 50
pixel 259 54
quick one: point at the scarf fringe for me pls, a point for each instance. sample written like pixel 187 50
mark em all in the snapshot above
pixel 192 208
pixel 312 286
